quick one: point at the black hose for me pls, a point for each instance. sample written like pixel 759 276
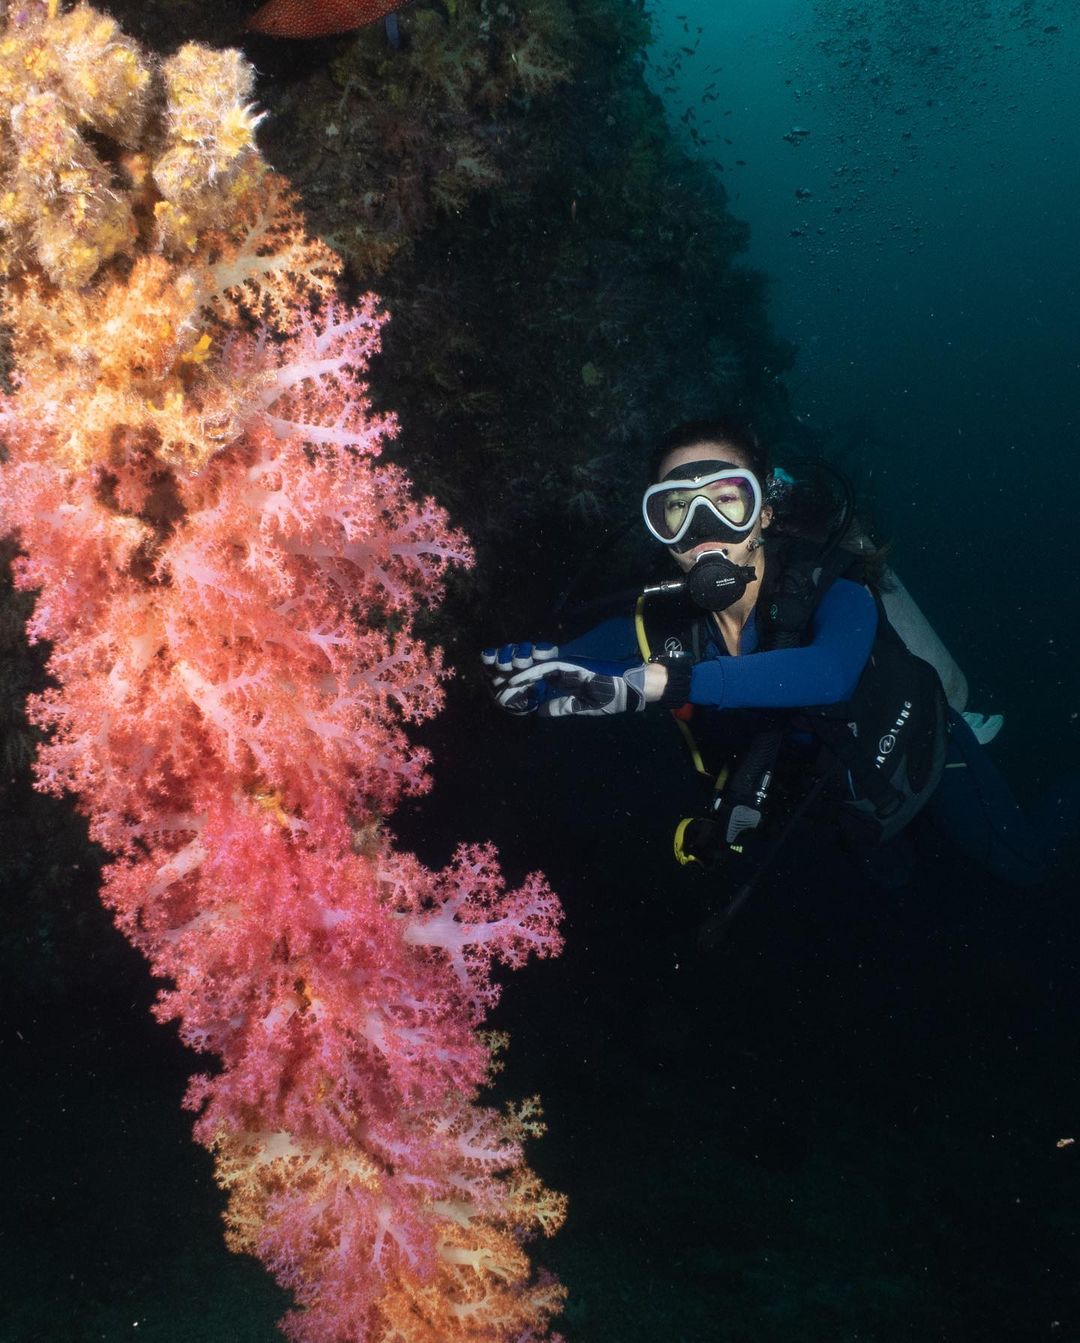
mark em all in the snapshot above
pixel 715 928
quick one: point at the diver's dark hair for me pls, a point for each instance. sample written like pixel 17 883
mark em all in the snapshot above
pixel 806 508
pixel 722 430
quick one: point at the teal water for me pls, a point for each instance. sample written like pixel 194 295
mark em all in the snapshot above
pixel 934 248
pixel 920 246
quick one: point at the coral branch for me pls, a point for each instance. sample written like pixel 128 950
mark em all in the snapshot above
pixel 228 575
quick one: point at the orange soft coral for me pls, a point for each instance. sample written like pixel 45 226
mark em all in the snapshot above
pixel 132 365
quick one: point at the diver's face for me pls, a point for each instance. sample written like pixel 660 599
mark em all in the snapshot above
pixel 727 498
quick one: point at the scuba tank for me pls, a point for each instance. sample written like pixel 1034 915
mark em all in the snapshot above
pixel 921 639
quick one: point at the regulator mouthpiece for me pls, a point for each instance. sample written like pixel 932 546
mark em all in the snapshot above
pixel 715 582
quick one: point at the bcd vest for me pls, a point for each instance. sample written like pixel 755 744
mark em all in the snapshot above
pixel 886 744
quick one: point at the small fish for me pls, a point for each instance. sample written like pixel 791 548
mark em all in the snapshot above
pixel 317 18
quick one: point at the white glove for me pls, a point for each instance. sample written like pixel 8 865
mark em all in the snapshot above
pixel 532 678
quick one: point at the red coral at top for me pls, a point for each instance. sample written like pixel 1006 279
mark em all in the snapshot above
pixel 318 18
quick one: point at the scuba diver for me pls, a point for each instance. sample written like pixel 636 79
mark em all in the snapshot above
pixel 789 658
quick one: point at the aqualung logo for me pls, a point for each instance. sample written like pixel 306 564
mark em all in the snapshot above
pixel 887 744
pixel 672 646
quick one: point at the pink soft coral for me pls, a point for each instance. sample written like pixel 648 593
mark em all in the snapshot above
pixel 228 573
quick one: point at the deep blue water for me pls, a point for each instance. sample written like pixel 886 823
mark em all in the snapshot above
pixel 845 1123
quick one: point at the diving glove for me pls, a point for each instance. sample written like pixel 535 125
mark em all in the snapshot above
pixel 503 666
pixel 532 678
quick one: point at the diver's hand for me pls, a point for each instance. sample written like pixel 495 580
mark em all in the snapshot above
pixel 504 665
pixel 574 691
pixel 532 678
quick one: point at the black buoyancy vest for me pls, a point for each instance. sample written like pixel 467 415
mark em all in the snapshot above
pixel 889 739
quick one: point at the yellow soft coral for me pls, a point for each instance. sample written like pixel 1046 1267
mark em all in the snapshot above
pixel 209 161
pixel 119 371
pixel 63 206
pixel 172 183
pixel 128 363
pixel 70 202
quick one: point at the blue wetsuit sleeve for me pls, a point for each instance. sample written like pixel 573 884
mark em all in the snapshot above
pixel 825 671
pixel 609 647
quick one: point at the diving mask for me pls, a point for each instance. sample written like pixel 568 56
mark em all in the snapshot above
pixel 702 501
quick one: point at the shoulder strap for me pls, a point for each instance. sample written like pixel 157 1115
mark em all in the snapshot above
pixel 796 579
